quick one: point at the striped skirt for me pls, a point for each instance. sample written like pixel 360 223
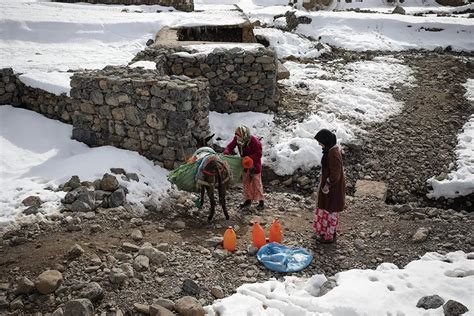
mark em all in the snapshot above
pixel 253 187
pixel 325 224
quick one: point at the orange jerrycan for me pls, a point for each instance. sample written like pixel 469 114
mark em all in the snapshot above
pixel 230 239
pixel 258 235
pixel 275 231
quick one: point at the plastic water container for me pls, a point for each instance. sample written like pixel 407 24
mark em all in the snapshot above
pixel 230 239
pixel 258 235
pixel 275 231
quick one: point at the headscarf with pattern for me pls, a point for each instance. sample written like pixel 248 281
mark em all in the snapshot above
pixel 242 134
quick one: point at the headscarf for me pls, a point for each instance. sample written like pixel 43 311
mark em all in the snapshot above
pixel 328 139
pixel 242 134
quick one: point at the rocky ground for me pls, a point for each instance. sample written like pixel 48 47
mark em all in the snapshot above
pixel 126 263
pixel 407 149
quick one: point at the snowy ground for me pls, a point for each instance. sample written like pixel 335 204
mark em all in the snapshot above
pixel 386 290
pixel 37 154
pixel 460 181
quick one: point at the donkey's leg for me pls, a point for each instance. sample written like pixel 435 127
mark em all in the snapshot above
pixel 210 193
pixel 222 191
pixel 203 190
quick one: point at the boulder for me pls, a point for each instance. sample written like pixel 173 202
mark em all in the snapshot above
pixel 117 276
pixel 430 302
pixel 117 198
pixel 454 308
pixel 32 200
pixel 168 304
pixel 79 307
pixel 48 281
pixel 109 183
pixel 189 306
pixel 137 235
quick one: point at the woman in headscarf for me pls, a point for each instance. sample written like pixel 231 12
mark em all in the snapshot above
pixel 332 188
pixel 249 146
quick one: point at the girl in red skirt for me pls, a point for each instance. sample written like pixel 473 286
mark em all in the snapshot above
pixel 332 188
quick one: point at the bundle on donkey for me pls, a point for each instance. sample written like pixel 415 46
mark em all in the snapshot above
pixel 205 171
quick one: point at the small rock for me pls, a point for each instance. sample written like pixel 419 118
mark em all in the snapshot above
pixel 149 42
pixel 327 286
pixel 117 198
pixel 133 176
pixel 221 254
pixel 252 250
pixel 117 276
pixel 454 308
pixel 117 171
pixel 73 183
pixel 130 247
pixel 79 307
pixel 75 252
pixel 157 310
pixel 421 235
pixel 80 206
pixel 359 244
pixel 32 210
pixel 3 302
pixel 48 281
pixel 92 291
pixel 24 286
pixel 32 200
pixel 137 235
pixel 189 306
pixel 190 287
pixel 141 263
pixel 217 292
pixel 109 183
pixel 58 312
pixel 156 257
pixel 398 10
pixel 214 241
pixel 142 308
pixel 179 225
pixel 430 302
pixel 168 304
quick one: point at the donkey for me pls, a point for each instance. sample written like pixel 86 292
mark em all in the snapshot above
pixel 214 173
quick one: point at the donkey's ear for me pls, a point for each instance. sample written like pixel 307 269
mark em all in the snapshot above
pixel 195 137
pixel 208 138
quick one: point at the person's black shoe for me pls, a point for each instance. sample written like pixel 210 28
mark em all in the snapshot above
pixel 245 205
pixel 261 205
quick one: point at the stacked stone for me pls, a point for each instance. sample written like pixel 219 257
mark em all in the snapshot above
pixel 15 92
pixel 9 89
pixel 139 110
pixel 183 5
pixel 239 79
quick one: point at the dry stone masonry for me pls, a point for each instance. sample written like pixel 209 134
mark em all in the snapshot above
pixel 139 110
pixel 183 5
pixel 240 78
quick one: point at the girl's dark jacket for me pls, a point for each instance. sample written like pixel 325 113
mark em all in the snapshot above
pixel 333 174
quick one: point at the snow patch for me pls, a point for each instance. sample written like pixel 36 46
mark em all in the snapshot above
pixel 390 290
pixel 145 64
pixel 38 155
pixel 55 82
pixel 459 182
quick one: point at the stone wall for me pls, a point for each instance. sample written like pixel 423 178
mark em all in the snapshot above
pixel 183 5
pixel 240 79
pixel 9 87
pixel 137 110
pixel 128 108
pixel 15 92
